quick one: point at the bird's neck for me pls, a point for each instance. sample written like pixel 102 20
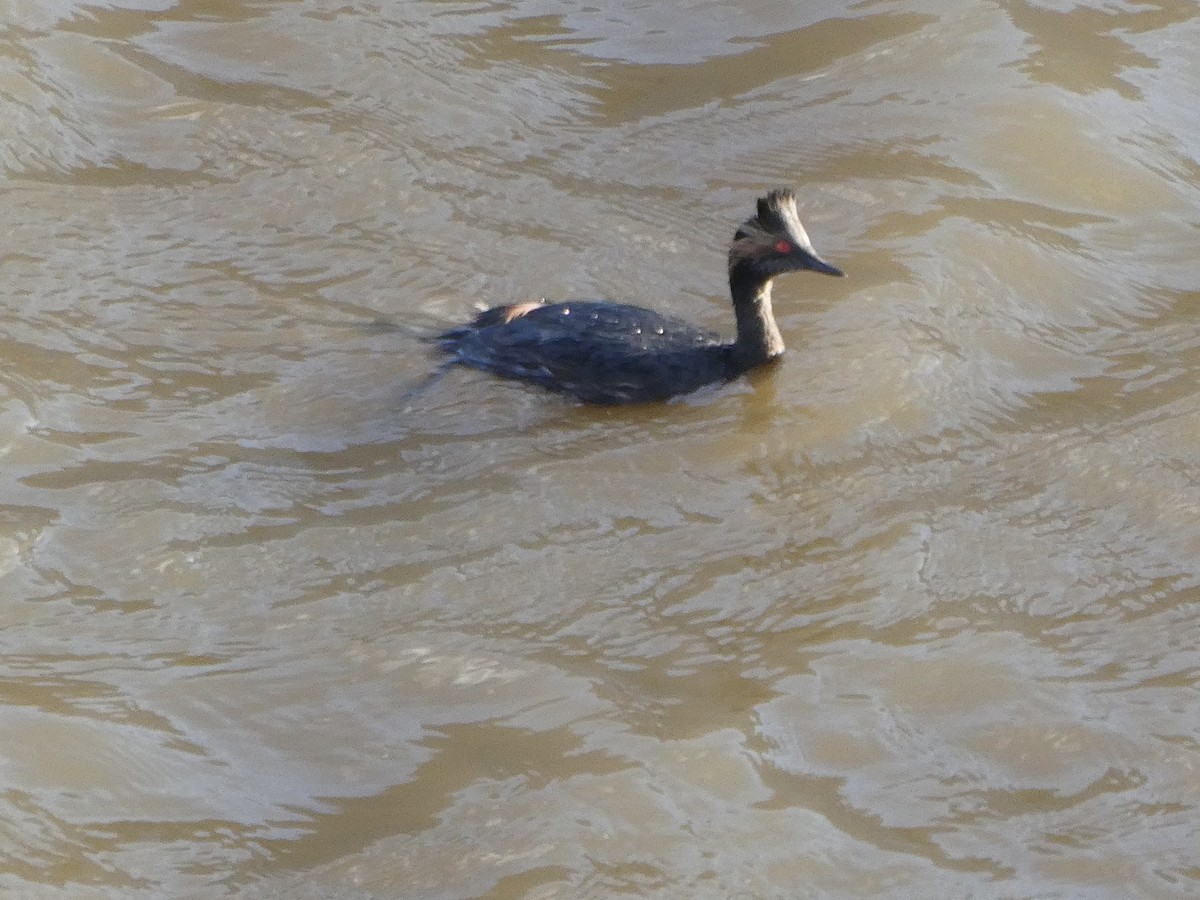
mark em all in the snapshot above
pixel 758 338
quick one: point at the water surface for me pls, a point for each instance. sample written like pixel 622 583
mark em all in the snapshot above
pixel 914 613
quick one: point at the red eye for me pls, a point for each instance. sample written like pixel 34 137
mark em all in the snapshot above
pixel 782 246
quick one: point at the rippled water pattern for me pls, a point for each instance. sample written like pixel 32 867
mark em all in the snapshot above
pixel 914 614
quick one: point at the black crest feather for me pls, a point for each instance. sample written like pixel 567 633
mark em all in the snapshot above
pixel 777 217
pixel 775 209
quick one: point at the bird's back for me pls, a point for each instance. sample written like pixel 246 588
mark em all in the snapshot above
pixel 597 351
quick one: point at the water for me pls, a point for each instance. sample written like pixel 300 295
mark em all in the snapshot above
pixel 913 614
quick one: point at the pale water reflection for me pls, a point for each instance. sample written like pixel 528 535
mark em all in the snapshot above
pixel 914 614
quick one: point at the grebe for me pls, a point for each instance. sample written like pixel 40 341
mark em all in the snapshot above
pixel 610 353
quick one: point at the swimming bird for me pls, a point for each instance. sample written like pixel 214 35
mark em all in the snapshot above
pixel 613 353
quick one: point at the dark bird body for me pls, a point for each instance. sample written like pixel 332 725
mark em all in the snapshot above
pixel 596 351
pixel 602 352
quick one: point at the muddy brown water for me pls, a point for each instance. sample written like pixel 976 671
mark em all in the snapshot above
pixel 913 614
